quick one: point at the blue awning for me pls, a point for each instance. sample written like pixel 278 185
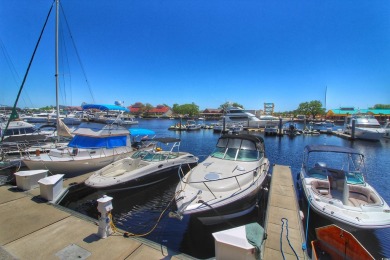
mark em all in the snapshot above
pixel 104 107
pixel 141 131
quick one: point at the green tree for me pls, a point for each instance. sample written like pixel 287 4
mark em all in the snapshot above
pixel 186 109
pixel 312 108
pixel 225 105
pixel 381 106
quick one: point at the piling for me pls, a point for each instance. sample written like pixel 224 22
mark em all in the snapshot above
pixel 353 128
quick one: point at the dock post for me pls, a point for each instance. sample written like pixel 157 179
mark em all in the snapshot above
pixel 280 127
pixel 104 207
pixel 353 128
pixel 224 125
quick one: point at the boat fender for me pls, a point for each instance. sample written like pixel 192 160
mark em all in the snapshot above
pixel 301 215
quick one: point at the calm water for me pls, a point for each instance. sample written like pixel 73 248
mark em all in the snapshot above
pixel 138 211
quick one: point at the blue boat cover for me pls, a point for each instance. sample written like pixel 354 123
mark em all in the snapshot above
pixel 104 107
pixel 80 141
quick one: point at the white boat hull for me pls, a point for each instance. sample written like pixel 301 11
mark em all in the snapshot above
pixel 367 133
pixel 74 165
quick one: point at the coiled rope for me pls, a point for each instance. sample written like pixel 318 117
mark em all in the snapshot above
pixel 288 240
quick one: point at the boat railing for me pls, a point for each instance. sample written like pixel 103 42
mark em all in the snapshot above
pixel 73 152
pixel 206 182
pixel 181 172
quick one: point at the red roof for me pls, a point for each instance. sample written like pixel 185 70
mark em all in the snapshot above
pixel 159 109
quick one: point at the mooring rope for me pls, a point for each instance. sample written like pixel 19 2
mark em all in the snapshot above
pixel 288 240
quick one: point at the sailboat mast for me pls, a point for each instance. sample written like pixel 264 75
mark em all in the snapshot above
pixel 56 66
pixel 326 90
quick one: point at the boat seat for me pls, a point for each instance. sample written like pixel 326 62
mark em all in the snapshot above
pixel 321 187
pixel 359 192
pixel 360 195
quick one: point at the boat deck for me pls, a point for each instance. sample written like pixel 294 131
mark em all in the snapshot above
pixel 283 203
pixel 32 228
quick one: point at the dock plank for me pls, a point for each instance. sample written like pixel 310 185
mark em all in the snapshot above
pixel 31 228
pixel 23 216
pixel 282 203
pixel 72 231
pixel 9 193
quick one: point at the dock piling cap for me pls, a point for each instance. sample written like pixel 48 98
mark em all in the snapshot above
pixel 104 199
pixel 29 172
pixel 51 180
pixel 104 204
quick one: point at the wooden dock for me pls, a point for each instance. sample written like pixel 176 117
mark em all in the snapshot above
pixel 283 203
pixel 31 228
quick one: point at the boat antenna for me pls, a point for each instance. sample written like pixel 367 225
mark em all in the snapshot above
pixel 14 113
pixel 326 90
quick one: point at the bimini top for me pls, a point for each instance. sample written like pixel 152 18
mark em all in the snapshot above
pixel 104 107
pixel 331 148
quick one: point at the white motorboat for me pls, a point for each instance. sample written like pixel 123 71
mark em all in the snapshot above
pixel 122 120
pixel 226 185
pixel 144 167
pixel 271 128
pixel 367 127
pixel 238 115
pixel 19 130
pixel 94 145
pixel 332 179
pixel 386 127
pixel 192 125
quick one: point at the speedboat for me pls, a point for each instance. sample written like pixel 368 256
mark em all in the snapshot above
pixel 227 183
pixel 143 168
pixel 332 179
pixel 94 145
pixel 367 127
pixel 192 126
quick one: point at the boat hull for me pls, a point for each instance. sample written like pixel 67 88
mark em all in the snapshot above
pixel 73 166
pixel 350 220
pixel 367 134
pixel 143 179
pixel 215 213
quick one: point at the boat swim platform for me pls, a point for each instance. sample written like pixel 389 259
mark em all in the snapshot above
pixel 32 228
pixel 283 203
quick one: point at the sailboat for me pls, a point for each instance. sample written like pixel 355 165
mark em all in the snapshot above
pixel 94 144
pixel 19 137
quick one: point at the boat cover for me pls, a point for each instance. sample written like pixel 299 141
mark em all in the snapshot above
pixel 104 107
pixel 80 141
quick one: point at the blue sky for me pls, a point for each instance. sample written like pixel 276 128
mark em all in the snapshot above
pixel 202 51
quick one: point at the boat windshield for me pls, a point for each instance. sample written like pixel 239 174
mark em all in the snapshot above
pixel 336 166
pixel 154 157
pixel 139 154
pixel 236 150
